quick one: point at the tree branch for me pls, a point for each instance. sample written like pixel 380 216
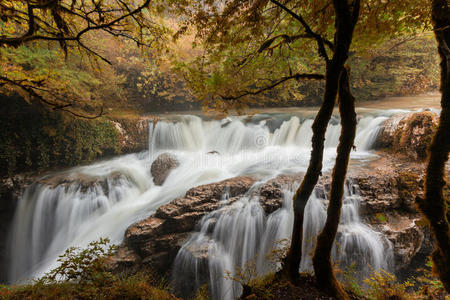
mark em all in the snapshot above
pixel 55 106
pixel 285 39
pixel 321 41
pixel 296 76
pixel 31 35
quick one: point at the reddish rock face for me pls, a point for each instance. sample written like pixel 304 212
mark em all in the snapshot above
pixel 409 134
pixel 406 237
pixel 156 240
pixel 397 191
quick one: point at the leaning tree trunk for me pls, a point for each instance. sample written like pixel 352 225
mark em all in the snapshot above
pixel 292 261
pixel 346 18
pixel 323 267
pixel 434 206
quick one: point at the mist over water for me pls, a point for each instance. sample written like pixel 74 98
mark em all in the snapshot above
pixel 49 219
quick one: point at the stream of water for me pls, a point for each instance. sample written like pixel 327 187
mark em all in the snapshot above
pixel 50 219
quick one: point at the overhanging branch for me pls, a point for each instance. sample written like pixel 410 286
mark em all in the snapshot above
pixel 58 35
pixel 321 41
pixel 297 76
pixel 22 84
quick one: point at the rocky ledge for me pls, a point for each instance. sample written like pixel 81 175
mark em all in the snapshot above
pixel 388 194
pixel 409 134
pixel 154 242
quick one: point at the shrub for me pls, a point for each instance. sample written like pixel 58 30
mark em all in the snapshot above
pixel 384 285
pixel 82 274
pixel 33 138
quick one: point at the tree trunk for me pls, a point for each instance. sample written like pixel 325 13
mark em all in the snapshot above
pixel 346 18
pixel 434 206
pixel 319 127
pixel 323 267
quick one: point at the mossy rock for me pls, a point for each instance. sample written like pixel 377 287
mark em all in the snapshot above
pixel 409 134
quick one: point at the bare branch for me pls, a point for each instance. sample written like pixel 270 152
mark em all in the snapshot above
pixel 297 76
pixel 60 34
pixel 55 106
pixel 321 41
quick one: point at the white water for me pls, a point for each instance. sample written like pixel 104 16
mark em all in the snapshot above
pixel 242 237
pixel 49 220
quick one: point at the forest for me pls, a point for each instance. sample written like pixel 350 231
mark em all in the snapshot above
pixel 224 149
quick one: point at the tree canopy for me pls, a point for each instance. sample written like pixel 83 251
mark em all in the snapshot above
pixel 249 47
pixel 76 27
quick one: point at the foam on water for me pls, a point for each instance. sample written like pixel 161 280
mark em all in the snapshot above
pixel 241 237
pixel 50 219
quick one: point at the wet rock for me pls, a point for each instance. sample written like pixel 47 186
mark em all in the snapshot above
pixel 162 166
pixel 83 182
pixel 409 134
pixel 124 261
pixel 157 239
pixel 385 138
pixel 405 235
pixel 133 133
pixel 387 201
pixel 397 191
pixel 271 195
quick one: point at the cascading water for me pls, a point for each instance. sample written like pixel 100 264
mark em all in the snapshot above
pixel 53 217
pixel 240 237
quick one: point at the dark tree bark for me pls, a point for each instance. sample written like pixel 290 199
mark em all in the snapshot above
pixel 434 206
pixel 323 267
pixel 346 18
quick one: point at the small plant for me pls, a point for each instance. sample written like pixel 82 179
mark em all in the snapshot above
pixel 352 284
pixel 202 293
pixel 83 266
pixel 381 217
pixel 278 253
pixel 384 285
pixel 431 285
pixel 243 275
pixel 82 275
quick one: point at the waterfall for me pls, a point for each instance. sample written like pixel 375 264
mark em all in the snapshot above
pixel 241 236
pixel 74 207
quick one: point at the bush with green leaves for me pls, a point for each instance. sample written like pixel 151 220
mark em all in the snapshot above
pixel 83 266
pixel 82 274
pixel 33 138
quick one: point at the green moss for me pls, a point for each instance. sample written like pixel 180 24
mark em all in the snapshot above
pixel 381 217
pixel 36 139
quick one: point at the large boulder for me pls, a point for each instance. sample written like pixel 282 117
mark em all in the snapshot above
pixel 133 133
pixel 389 188
pixel 162 166
pixel 405 235
pixel 155 241
pixel 397 191
pixel 409 134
